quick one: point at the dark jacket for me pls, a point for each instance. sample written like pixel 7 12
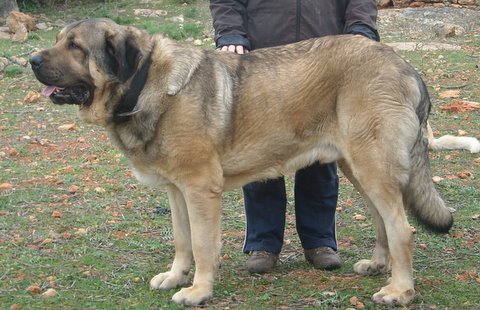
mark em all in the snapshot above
pixel 264 23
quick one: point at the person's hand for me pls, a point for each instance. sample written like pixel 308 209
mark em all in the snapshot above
pixel 239 49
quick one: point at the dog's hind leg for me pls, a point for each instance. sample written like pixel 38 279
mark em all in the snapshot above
pixel 178 274
pixel 383 192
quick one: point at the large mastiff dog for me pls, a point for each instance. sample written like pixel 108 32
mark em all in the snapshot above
pixel 200 122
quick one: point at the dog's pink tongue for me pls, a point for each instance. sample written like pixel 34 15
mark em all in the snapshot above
pixel 48 91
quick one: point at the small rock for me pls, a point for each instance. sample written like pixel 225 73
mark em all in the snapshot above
pixel 42 26
pixel 149 13
pixel 448 30
pixel 177 19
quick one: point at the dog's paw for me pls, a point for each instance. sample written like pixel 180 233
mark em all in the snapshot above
pixel 192 296
pixel 390 295
pixel 168 280
pixel 368 267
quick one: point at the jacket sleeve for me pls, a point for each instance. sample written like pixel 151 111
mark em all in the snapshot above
pixel 361 18
pixel 229 20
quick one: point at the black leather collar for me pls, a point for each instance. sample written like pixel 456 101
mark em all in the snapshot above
pixel 126 108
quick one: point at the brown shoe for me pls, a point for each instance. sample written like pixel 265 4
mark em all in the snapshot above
pixel 261 261
pixel 323 258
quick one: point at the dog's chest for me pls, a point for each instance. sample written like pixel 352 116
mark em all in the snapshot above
pixel 150 179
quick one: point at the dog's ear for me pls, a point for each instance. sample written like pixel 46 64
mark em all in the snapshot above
pixel 123 51
pixel 184 66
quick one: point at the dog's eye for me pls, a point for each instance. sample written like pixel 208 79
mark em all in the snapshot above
pixel 73 46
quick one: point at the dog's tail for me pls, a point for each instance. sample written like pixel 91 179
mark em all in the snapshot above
pixel 449 142
pixel 420 196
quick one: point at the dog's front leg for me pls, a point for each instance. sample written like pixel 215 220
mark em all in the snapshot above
pixel 178 274
pixel 204 205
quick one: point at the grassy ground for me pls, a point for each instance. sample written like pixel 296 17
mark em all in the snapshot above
pixel 73 218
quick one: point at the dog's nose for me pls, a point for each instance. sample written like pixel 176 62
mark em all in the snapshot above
pixel 36 61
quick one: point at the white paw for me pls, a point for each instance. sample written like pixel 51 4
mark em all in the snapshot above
pixel 193 295
pixel 390 295
pixel 168 280
pixel 368 267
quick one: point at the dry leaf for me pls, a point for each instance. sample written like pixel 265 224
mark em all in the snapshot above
pixel 453 93
pixel 47 241
pixel 457 234
pixel 63 197
pixel 57 214
pixel 81 232
pixel 92 157
pixel 467 276
pixel 50 293
pixel 99 190
pixel 73 189
pixel 32 96
pixel 353 300
pixel 464 175
pixel 423 246
pixel 10 151
pixel 120 234
pixel 461 106
pixel 87 273
pixel 5 186
pixel 67 127
pixel 14 307
pixel 34 288
pixel 359 217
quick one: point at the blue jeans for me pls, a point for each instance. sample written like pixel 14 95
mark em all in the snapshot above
pixel 316 193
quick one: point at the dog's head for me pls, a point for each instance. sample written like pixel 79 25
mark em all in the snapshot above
pixel 89 64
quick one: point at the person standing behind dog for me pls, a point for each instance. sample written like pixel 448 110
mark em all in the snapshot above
pixel 245 25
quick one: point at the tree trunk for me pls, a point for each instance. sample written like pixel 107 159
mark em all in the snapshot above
pixel 6 6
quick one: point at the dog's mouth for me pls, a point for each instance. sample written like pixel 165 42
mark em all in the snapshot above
pixel 77 94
